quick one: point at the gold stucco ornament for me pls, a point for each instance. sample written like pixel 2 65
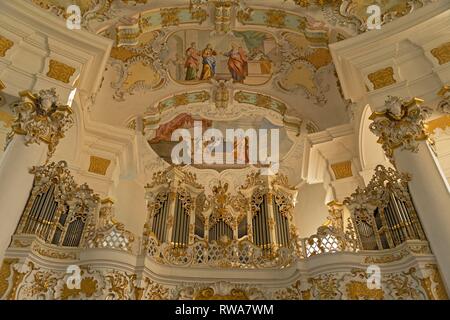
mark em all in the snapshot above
pixel 40 117
pixel 400 124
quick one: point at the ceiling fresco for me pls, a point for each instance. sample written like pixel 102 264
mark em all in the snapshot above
pixel 165 52
pixel 162 144
pixel 248 57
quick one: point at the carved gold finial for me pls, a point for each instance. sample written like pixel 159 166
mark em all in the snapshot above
pixel 401 124
pixel 41 118
pixel 336 215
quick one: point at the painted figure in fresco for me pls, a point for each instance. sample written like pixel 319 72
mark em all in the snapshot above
pixel 179 64
pixel 209 63
pixel 192 62
pixel 184 120
pixel 237 62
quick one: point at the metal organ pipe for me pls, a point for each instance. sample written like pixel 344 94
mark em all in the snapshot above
pixel 278 231
pixel 180 228
pixel 39 219
pixel 219 229
pixel 263 222
pixel 159 221
pixel 260 232
pixel 282 226
pixel 43 212
pixel 408 222
pixel 74 233
pixel 180 234
pixel 176 227
pixel 402 221
pixel 49 213
pixel 34 216
pixel 261 228
pixel 266 222
pixel 391 224
pixel 396 223
pixel 396 228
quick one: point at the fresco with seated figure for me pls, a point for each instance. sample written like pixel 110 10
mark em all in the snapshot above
pixel 247 57
pixel 162 143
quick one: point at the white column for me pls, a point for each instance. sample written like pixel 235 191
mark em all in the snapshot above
pixel 401 131
pixel 15 184
pixel 431 196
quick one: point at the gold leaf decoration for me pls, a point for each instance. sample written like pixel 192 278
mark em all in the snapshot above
pixel 359 291
pixel 169 17
pixel 40 117
pixel 442 123
pixel 54 254
pixel 342 170
pixel 199 15
pixel 60 71
pixel 441 294
pixel 209 294
pixel 5 45
pixel 442 53
pixel 122 54
pixel 99 165
pixel 5 273
pixel 6 118
pixel 386 259
pixel 382 78
pixel 275 18
pixel 88 286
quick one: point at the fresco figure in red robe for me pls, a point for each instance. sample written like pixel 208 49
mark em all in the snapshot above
pixel 237 63
pixel 192 62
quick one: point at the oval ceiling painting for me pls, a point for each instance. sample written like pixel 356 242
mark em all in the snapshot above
pixel 246 57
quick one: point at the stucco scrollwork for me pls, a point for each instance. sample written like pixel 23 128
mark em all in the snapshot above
pixel 400 125
pixel 444 104
pixel 40 117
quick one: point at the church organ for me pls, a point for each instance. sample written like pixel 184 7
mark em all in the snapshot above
pixel 179 213
pixel 383 213
pixel 58 210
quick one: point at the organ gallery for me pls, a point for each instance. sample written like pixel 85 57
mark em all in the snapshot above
pixel 224 150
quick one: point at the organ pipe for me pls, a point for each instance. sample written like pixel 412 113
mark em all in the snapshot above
pixel 180 234
pixel 220 229
pixel 281 226
pixel 160 218
pixel 53 197
pixel 261 227
pixel 258 211
pixel 394 218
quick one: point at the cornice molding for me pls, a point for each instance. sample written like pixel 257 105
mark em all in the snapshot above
pixel 330 134
pixel 357 57
pixel 90 50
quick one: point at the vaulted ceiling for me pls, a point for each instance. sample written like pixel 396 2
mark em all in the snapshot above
pixel 289 71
